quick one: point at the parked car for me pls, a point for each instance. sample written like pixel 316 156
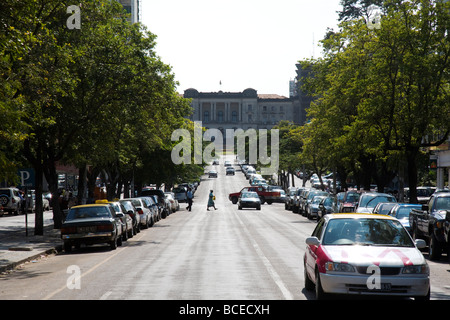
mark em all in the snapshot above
pixel 227 163
pixel 383 207
pixel 313 207
pixel 143 211
pixel 180 194
pixel 45 202
pixel 162 202
pixel 342 251
pixel 153 207
pixel 328 205
pixel 401 211
pixel 288 204
pixel 230 170
pixel 10 200
pixel 308 199
pixel 249 200
pixel 212 174
pixel 295 207
pixel 174 205
pixel 348 200
pixel 423 194
pixel 432 224
pixel 91 224
pixel 369 200
pixel 126 219
pixel 133 213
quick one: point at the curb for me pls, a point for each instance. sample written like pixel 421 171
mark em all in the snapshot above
pixel 13 265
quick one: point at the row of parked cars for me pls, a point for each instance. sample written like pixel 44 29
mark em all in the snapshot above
pixel 113 222
pixel 429 221
pixel 346 251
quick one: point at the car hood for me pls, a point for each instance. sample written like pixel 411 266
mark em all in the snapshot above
pixel 378 255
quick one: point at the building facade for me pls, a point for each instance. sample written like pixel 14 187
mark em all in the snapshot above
pixel 240 110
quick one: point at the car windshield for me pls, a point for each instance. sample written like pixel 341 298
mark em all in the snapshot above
pixel 381 232
pixel 403 212
pixel 88 212
pixel 249 195
pixel 352 197
pixel 370 201
pixel 443 203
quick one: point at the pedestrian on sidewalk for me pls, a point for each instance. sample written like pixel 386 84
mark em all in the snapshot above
pixel 189 199
pixel 211 201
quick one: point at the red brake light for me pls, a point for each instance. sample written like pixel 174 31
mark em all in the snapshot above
pixel 140 211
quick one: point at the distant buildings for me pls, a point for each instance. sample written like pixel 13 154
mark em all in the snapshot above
pixel 133 7
pixel 249 109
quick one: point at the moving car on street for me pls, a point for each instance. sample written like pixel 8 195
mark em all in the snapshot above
pixel 365 254
pixel 212 174
pixel 249 200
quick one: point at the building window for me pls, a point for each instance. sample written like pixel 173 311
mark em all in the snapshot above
pixel 249 108
pixel 264 108
pixel 220 116
pixel 234 116
pixel 249 118
pixel 281 108
pixel 206 116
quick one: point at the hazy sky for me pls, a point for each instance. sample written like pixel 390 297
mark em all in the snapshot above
pixel 241 43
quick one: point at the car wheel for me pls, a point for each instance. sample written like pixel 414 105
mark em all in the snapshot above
pixel 320 294
pixel 119 241
pixel 239 208
pixel 67 247
pixel 435 248
pixel 258 208
pixel 125 235
pixel 234 200
pixel 309 285
pixel 113 244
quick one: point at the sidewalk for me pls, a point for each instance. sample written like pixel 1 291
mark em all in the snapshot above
pixel 17 248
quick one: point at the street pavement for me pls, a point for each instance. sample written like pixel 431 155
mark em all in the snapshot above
pixel 19 245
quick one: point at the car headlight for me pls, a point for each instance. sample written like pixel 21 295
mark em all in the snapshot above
pixel 418 269
pixel 339 267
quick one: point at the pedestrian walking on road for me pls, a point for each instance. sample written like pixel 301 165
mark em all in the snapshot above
pixel 211 200
pixel 189 199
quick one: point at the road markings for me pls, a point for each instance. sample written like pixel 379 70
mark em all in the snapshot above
pixel 272 272
pixel 119 250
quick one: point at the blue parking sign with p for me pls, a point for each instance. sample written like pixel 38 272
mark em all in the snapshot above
pixel 26 178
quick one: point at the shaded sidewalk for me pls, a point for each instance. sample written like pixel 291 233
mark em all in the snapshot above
pixel 17 248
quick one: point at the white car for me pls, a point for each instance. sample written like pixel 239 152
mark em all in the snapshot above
pixel 365 254
pixel 369 200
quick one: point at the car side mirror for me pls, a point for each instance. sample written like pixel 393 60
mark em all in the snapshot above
pixel 420 243
pixel 312 241
pixel 425 207
pixel 447 215
pixel 119 215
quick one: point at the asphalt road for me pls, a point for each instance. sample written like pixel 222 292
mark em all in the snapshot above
pixel 226 254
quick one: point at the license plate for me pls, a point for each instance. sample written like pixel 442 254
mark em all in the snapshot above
pixel 86 229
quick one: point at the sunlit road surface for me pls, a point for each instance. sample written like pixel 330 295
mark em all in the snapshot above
pixel 224 254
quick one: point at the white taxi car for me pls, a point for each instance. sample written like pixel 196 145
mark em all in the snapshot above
pixel 362 254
